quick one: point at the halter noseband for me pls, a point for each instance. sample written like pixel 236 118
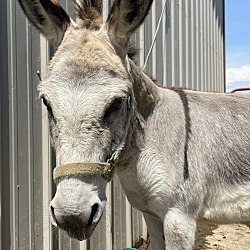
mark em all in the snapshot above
pixel 103 169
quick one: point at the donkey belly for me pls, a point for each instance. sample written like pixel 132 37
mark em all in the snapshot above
pixel 228 204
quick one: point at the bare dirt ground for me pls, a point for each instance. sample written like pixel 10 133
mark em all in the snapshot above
pixel 222 237
pixel 219 237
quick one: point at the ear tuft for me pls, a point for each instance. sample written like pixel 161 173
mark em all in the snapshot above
pixel 90 12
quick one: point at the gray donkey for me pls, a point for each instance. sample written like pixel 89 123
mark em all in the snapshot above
pixel 179 154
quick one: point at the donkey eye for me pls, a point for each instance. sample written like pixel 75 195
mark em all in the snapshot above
pixel 114 107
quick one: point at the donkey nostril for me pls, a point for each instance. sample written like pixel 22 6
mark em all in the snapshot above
pixel 53 215
pixel 52 211
pixel 93 213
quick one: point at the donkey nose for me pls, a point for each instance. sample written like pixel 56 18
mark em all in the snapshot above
pixel 69 220
pixel 76 225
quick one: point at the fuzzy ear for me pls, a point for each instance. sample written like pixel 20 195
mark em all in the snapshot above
pixel 124 18
pixel 48 17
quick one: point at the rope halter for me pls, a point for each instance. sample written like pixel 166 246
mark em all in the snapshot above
pixel 102 169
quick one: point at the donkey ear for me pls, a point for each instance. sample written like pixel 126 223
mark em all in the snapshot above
pixel 124 18
pixel 48 17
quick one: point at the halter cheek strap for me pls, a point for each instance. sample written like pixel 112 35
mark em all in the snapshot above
pixel 102 169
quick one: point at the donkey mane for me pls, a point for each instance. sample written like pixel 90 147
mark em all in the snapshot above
pixel 90 12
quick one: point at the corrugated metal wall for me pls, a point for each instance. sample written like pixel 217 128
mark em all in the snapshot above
pixel 189 49
pixel 189 52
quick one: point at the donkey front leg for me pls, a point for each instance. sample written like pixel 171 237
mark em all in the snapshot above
pixel 179 230
pixel 155 230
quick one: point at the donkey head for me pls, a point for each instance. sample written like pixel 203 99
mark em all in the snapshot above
pixel 86 92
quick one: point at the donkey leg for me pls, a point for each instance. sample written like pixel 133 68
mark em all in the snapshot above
pixel 179 230
pixel 155 229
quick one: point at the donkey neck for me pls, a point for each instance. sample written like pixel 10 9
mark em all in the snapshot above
pixel 147 93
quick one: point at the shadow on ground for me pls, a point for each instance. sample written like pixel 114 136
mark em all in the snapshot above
pixel 204 229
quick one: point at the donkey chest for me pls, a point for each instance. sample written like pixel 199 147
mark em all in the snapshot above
pixel 135 192
pixel 140 193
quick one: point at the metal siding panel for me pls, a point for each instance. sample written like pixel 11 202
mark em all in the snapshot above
pixel 23 133
pixel 153 28
pixel 214 47
pixel 105 10
pixel 223 48
pixel 201 46
pixel 46 155
pixel 194 46
pixel 219 52
pixel 140 44
pixel 217 48
pixel 205 82
pixel 221 45
pixel 209 44
pixel 120 228
pixel 14 239
pixel 164 47
pixel 29 159
pixel 147 42
pixel 158 45
pixel 189 45
pixel 65 242
pixel 5 211
pixel 199 50
pixel 176 43
pixel 83 245
pixel 36 144
pixel 135 224
pixel 172 42
pixel 206 87
pixel 108 230
pixel 168 59
pixel 182 43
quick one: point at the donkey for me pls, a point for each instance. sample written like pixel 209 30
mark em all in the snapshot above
pixel 179 154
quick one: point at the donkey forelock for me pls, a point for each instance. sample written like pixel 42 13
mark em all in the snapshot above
pixel 90 12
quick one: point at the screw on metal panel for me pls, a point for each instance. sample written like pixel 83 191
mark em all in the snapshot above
pixel 39 75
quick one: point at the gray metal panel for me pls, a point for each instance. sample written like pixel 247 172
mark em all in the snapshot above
pixel 5 211
pixel 121 223
pixel 189 52
pixel 159 45
pixel 168 45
